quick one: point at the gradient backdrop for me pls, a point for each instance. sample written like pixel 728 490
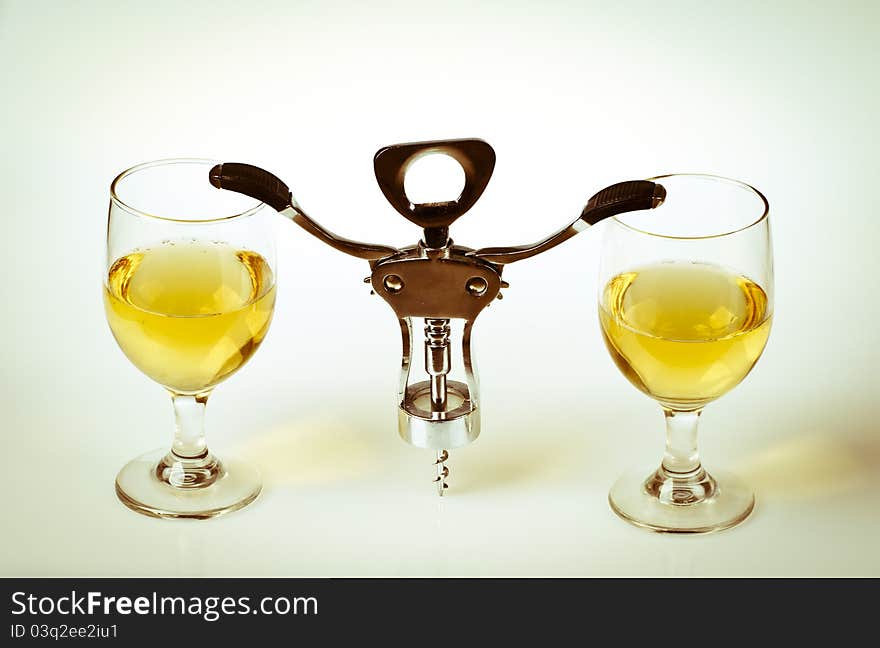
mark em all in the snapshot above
pixel 573 96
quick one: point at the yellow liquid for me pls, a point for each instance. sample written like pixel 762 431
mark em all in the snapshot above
pixel 684 333
pixel 189 314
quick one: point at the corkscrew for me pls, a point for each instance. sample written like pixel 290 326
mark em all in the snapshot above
pixel 435 280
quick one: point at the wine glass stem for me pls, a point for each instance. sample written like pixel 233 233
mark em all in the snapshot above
pixel 189 416
pixel 682 456
pixel 681 480
pixel 189 464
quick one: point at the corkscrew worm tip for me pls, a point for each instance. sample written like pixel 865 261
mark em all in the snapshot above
pixel 442 471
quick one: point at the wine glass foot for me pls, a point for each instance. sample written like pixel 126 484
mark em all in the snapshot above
pixel 709 504
pixel 217 488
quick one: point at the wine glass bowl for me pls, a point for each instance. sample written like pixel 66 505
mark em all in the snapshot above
pixel 686 306
pixel 189 294
pixel 189 333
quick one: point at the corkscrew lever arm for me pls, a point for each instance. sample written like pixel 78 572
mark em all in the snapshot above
pixel 260 184
pixel 633 195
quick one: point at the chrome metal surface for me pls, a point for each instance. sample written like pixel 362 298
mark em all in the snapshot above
pixel 631 195
pixel 434 284
pixel 437 359
pixel 453 428
pixel 369 251
pixel 511 254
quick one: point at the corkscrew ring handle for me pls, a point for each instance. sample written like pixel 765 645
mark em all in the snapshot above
pixel 390 164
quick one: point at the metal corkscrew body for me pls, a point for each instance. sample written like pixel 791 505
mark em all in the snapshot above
pixel 436 280
pixel 439 287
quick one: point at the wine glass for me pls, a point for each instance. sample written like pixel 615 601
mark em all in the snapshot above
pixel 685 305
pixel 189 294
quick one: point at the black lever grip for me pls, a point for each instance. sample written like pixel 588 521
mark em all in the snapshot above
pixel 632 195
pixel 251 181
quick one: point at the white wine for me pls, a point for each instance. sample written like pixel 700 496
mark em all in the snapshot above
pixel 189 314
pixel 684 333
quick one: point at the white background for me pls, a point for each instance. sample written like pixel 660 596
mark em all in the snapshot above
pixel 572 96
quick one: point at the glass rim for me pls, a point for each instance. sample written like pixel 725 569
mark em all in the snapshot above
pixel 115 199
pixel 743 185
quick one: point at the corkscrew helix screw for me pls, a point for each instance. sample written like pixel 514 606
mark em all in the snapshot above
pixel 442 471
pixel 435 280
pixel 438 364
